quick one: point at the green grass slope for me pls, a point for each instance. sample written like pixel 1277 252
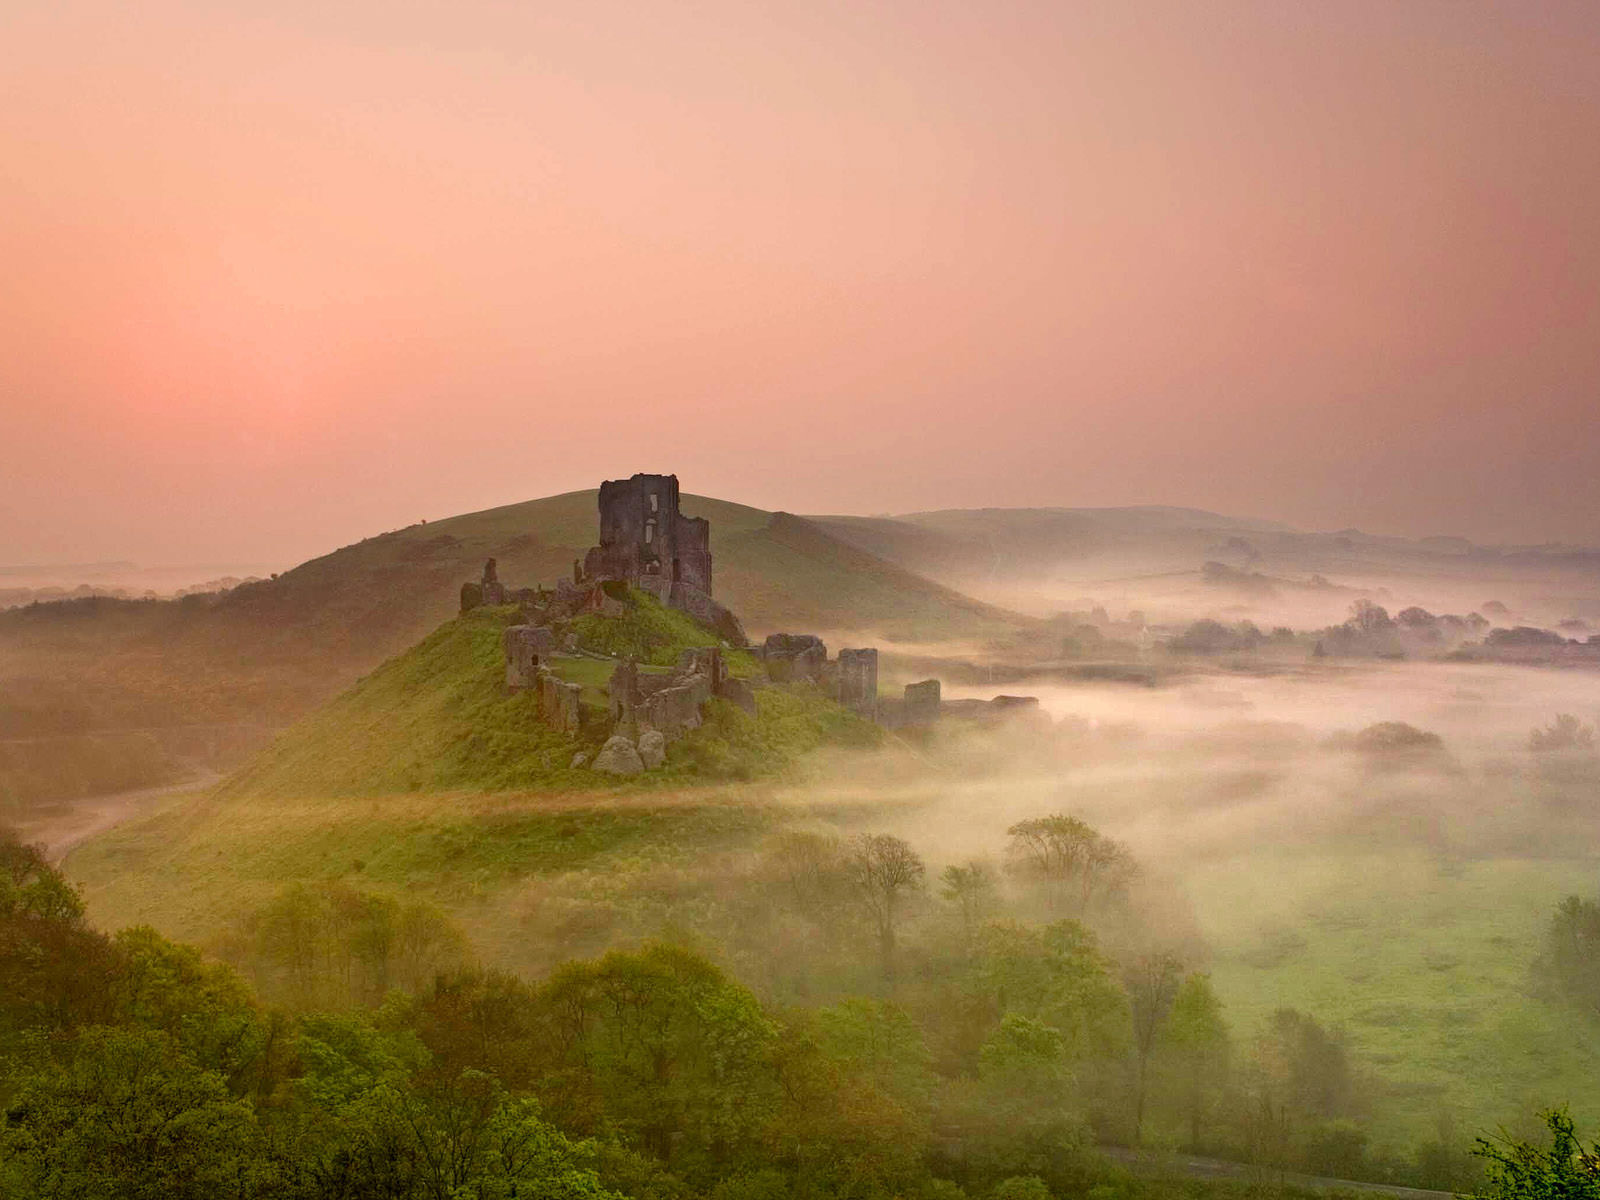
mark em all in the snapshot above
pixel 437 718
pixel 210 677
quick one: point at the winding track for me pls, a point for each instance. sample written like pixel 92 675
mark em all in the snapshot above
pixel 63 827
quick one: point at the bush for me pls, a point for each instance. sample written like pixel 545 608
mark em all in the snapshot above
pixel 1021 1187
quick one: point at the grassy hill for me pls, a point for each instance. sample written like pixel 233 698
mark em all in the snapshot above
pixel 209 678
pixel 437 718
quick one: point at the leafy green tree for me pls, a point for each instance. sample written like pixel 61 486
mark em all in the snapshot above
pixel 1519 1170
pixel 1300 1078
pixel 847 1125
pixel 881 1041
pixel 1020 1187
pixel 1197 1046
pixel 1057 975
pixel 970 888
pixel 1024 1114
pixel 1059 851
pixel 129 1114
pixel 204 1006
pixel 1152 982
pixel 55 971
pixel 662 1045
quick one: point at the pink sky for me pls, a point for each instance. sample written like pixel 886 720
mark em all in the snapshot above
pixel 281 276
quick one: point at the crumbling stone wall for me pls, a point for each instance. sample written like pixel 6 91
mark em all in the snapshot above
pixel 858 681
pixel 642 533
pixel 559 705
pixel 922 702
pixel 524 644
pixel 491 589
pixel 794 656
pixel 673 710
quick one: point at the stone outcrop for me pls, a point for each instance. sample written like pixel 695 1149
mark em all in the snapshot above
pixel 675 710
pixel 618 757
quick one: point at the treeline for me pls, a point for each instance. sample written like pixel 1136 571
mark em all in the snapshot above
pixel 968 1036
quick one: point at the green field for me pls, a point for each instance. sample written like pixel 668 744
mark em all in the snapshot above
pixel 1425 962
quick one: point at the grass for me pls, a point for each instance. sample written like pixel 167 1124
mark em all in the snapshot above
pixel 437 718
pixel 198 864
pixel 1424 961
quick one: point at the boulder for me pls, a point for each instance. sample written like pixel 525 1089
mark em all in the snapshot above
pixel 652 748
pixel 618 757
pixel 580 759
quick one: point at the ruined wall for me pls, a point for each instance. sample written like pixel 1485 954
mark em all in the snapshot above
pixel 672 710
pixel 642 533
pixel 794 656
pixel 922 703
pixel 559 703
pixel 858 681
pixel 524 645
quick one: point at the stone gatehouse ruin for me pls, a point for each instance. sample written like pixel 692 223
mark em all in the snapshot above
pixel 648 544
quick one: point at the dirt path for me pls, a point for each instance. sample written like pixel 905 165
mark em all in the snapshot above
pixel 64 826
pixel 1189 1166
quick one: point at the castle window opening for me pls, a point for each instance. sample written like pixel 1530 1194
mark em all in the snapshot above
pixel 649 532
pixel 655 502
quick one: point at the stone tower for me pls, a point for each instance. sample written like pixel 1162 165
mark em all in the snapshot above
pixel 643 535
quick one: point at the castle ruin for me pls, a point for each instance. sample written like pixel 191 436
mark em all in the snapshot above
pixel 647 543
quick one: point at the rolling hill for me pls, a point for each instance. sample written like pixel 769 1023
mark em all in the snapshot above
pixel 211 677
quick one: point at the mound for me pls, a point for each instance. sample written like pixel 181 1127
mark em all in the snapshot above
pixel 438 718
pixel 209 677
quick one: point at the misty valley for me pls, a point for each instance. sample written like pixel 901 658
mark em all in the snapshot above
pixel 1199 856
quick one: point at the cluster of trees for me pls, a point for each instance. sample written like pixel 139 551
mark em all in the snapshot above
pixel 973 1036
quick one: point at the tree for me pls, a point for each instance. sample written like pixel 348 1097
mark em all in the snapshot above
pixel 1197 1038
pixel 1301 1076
pixel 1152 983
pixel 971 888
pixel 128 1114
pixel 1565 734
pixel 1056 975
pixel 1569 966
pixel 1519 1170
pixel 886 873
pixel 56 971
pixel 1059 849
pixel 660 1044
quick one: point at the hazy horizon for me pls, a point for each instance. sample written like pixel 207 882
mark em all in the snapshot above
pixel 282 277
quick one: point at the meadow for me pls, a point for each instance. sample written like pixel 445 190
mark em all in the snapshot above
pixel 1400 901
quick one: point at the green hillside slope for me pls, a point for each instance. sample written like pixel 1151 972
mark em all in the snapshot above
pixel 437 718
pixel 210 677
